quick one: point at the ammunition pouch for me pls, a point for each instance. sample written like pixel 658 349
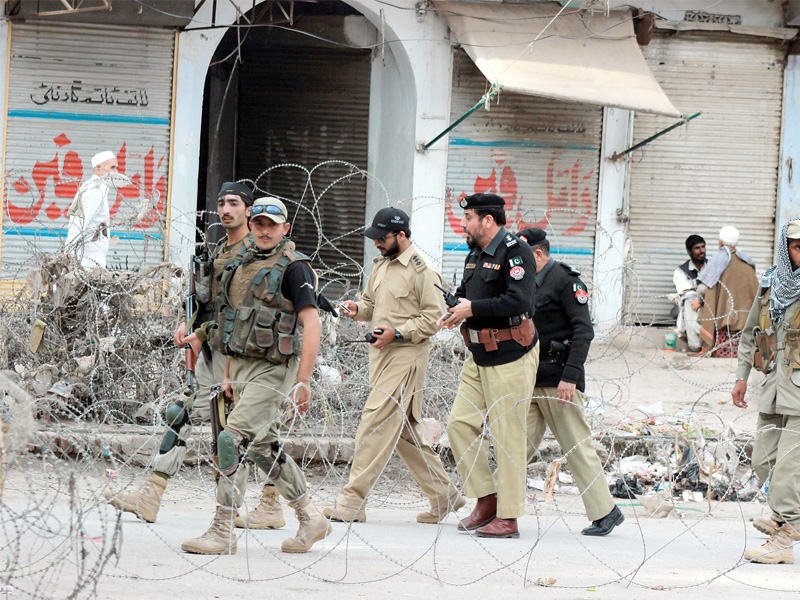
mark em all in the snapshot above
pixel 793 348
pixel 765 351
pixel 176 417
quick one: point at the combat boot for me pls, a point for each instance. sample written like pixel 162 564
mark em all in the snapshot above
pixel 438 512
pixel 345 514
pixel 777 549
pixel 768 527
pixel 219 539
pixel 267 515
pixel 313 527
pixel 145 504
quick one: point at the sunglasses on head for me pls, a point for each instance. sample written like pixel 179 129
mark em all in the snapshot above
pixel 270 209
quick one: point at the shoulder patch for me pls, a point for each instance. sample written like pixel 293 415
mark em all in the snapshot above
pixel 513 262
pixel 419 264
pixel 570 269
pixel 581 295
pixel 510 240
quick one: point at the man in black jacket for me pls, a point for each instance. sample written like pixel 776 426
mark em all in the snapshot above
pixel 565 333
pixel 496 381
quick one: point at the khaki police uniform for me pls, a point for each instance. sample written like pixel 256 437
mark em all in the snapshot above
pixel 776 451
pixel 496 383
pixel 565 333
pixel 263 339
pixel 400 293
pixel 207 373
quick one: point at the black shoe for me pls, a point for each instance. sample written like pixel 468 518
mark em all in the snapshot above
pixel 605 525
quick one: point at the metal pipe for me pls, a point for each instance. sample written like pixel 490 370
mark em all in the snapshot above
pixel 492 92
pixel 618 155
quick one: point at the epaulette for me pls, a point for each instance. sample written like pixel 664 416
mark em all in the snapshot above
pixel 419 264
pixel 510 240
pixel 570 269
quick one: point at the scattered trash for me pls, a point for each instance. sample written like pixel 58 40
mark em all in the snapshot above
pixel 627 487
pixel 546 581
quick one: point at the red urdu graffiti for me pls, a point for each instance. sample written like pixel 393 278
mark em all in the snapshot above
pixel 567 193
pixel 66 175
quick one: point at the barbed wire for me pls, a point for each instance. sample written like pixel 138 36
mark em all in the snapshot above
pixel 83 413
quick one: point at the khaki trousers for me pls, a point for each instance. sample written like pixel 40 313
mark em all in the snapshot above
pixel 568 424
pixel 206 376
pixel 259 388
pixel 382 430
pixel 494 401
pixel 776 454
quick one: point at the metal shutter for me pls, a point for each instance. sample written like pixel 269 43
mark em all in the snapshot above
pixel 720 169
pixel 310 107
pixel 541 155
pixel 76 90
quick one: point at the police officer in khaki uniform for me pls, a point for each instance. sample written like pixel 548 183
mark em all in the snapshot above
pixel 496 381
pixel 233 206
pixel 267 314
pixel 771 342
pixel 565 333
pixel 403 304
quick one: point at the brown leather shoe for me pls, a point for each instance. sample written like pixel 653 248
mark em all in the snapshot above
pixel 499 528
pixel 484 513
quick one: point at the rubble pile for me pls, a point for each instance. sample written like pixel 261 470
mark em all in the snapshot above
pixel 93 344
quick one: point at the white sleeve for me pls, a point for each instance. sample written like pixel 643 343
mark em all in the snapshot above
pixel 682 282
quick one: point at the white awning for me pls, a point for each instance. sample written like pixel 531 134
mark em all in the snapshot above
pixel 580 57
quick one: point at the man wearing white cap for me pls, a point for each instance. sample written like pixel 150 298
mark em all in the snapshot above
pixel 771 344
pixel 89 218
pixel 726 288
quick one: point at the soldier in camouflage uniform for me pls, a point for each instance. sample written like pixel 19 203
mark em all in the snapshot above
pixel 233 205
pixel 267 316
pixel 771 343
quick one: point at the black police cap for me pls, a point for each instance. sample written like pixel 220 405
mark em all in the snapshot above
pixel 386 220
pixel 532 235
pixel 482 201
pixel 237 189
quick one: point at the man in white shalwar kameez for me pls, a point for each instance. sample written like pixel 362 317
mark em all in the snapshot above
pixel 89 217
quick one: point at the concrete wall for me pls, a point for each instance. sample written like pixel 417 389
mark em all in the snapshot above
pixel 391 135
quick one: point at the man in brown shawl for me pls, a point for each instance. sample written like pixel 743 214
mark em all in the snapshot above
pixel 726 288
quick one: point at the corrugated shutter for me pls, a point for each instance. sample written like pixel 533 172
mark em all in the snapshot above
pixel 76 90
pixel 720 169
pixel 310 107
pixel 541 155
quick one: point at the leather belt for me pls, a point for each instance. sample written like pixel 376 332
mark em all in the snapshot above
pixel 523 334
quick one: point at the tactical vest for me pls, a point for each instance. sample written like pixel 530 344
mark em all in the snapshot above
pixel 265 325
pixel 766 346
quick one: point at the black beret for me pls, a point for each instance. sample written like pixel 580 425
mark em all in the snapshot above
pixel 237 189
pixel 532 235
pixel 482 201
